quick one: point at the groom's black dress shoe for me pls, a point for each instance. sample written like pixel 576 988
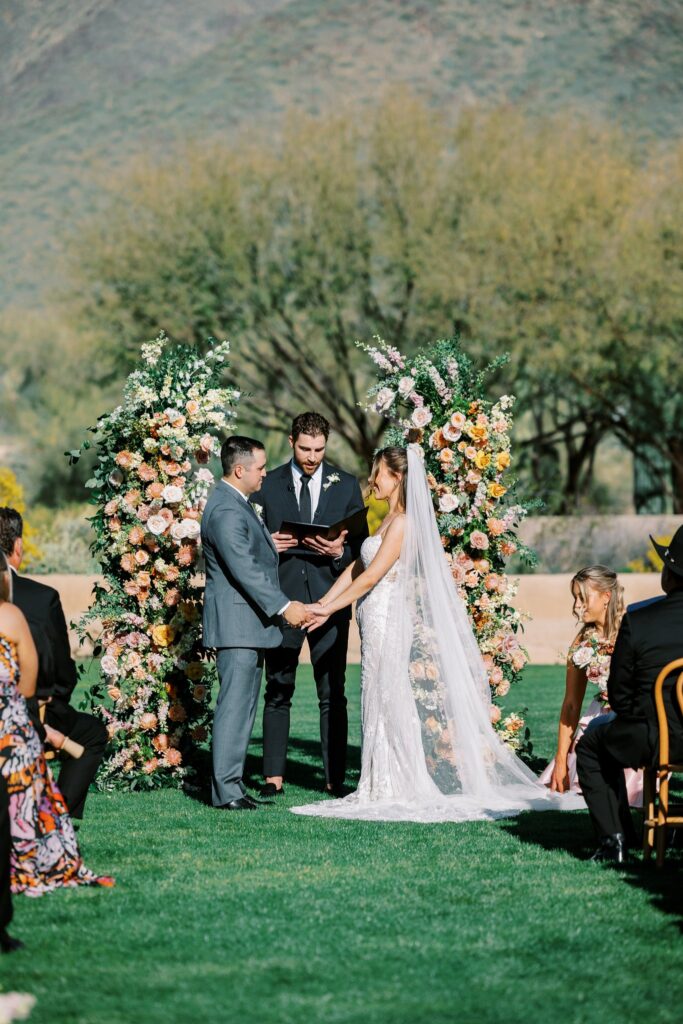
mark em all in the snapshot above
pixel 8 944
pixel 338 790
pixel 270 789
pixel 612 850
pixel 244 803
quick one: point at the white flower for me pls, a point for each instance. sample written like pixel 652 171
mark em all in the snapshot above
pixel 582 656
pixel 191 528
pixel 332 478
pixel 205 475
pixel 450 432
pixel 405 386
pixel 156 524
pixel 150 445
pixel 172 494
pixel 421 416
pixel 109 665
pixel 178 531
pixel 258 509
pixel 448 503
pixel 384 399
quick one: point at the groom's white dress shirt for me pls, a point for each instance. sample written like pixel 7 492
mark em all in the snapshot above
pixel 314 488
pixel 238 491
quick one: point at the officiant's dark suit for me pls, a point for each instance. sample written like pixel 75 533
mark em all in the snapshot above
pixel 306 576
pixel 650 636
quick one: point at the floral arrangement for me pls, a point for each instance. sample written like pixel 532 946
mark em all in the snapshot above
pixel 593 654
pixel 437 399
pixel 149 486
pixel 15 1006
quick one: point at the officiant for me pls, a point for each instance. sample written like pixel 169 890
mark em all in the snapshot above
pixel 309 489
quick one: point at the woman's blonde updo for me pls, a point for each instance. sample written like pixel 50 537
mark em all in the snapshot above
pixel 606 581
pixel 396 461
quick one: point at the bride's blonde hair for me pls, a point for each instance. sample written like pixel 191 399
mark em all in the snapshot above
pixel 606 581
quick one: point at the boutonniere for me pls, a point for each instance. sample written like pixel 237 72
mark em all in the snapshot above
pixel 332 478
pixel 258 509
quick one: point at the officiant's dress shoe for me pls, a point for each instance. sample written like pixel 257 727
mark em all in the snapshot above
pixel 269 789
pixel 243 803
pixel 8 944
pixel 612 850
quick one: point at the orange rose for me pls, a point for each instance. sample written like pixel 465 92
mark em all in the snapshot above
pixel 155 490
pixel 124 460
pixel 160 742
pixel 192 408
pixel 128 562
pixel 173 757
pixel 143 580
pixel 446 456
pixel 141 557
pixel 148 721
pixel 172 597
pixel 163 635
pixel 478 433
pixel 146 473
pixel 136 535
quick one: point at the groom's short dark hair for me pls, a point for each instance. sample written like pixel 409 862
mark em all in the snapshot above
pixel 311 423
pixel 11 528
pixel 236 449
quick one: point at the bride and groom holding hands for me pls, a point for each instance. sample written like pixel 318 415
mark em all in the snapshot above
pixel 428 754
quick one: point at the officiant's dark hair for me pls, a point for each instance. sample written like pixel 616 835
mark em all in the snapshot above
pixel 311 423
pixel 237 448
pixel 11 528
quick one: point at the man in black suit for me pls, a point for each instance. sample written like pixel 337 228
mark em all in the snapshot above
pixel 57 674
pixel 308 489
pixel 7 943
pixel 650 636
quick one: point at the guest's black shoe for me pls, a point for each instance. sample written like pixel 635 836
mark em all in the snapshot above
pixel 269 789
pixel 8 944
pixel 612 850
pixel 243 803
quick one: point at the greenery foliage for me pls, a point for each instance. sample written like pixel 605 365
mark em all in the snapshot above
pixel 149 488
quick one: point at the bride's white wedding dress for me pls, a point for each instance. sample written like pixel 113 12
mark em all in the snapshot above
pixel 429 751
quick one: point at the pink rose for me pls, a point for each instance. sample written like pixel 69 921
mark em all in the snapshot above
pixel 479 540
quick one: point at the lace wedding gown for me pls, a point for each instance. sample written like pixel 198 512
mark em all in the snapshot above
pixel 429 751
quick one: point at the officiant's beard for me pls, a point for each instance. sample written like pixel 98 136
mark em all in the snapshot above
pixel 308 452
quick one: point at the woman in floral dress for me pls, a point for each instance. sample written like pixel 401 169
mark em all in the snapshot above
pixel 45 854
pixel 599 605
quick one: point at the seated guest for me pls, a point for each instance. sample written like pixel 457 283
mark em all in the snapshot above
pixel 650 636
pixel 44 849
pixel 598 606
pixel 7 943
pixel 65 728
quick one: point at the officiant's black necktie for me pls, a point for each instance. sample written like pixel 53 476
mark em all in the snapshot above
pixel 305 499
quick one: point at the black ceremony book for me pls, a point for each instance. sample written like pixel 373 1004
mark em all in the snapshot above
pixel 355 524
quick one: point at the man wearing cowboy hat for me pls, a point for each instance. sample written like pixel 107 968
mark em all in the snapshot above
pixel 650 636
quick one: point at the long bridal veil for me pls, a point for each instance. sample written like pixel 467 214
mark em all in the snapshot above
pixel 443 759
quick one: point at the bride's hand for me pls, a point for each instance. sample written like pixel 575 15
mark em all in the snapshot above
pixel 316 615
pixel 559 780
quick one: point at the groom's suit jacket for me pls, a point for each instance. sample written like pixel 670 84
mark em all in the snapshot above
pixel 242 595
pixel 307 577
pixel 649 638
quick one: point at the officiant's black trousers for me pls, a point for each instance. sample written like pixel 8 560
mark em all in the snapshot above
pixel 5 849
pixel 603 786
pixel 328 647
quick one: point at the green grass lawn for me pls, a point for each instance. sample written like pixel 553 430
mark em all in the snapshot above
pixel 269 918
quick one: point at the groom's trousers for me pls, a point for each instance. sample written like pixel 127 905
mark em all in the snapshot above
pixel 239 672
pixel 328 646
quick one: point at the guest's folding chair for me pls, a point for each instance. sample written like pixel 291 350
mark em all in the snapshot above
pixel 659 814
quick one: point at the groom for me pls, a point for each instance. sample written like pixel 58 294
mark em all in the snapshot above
pixel 243 604
pixel 309 489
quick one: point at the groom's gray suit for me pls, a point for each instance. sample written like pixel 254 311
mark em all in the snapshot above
pixel 242 604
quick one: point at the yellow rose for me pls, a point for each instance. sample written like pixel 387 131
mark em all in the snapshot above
pixel 502 460
pixel 482 460
pixel 478 433
pixel 163 635
pixel 497 490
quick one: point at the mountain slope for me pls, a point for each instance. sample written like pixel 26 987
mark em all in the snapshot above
pixel 84 86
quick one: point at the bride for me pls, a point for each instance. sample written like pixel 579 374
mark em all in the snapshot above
pixel 429 751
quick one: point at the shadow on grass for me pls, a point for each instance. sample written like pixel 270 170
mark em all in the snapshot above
pixel 304 769
pixel 557 830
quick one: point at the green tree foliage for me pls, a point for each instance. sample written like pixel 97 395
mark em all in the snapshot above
pixel 554 240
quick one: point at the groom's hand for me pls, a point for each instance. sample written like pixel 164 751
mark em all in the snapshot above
pixel 331 548
pixel 295 613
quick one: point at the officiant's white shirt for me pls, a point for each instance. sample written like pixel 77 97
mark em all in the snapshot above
pixel 314 487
